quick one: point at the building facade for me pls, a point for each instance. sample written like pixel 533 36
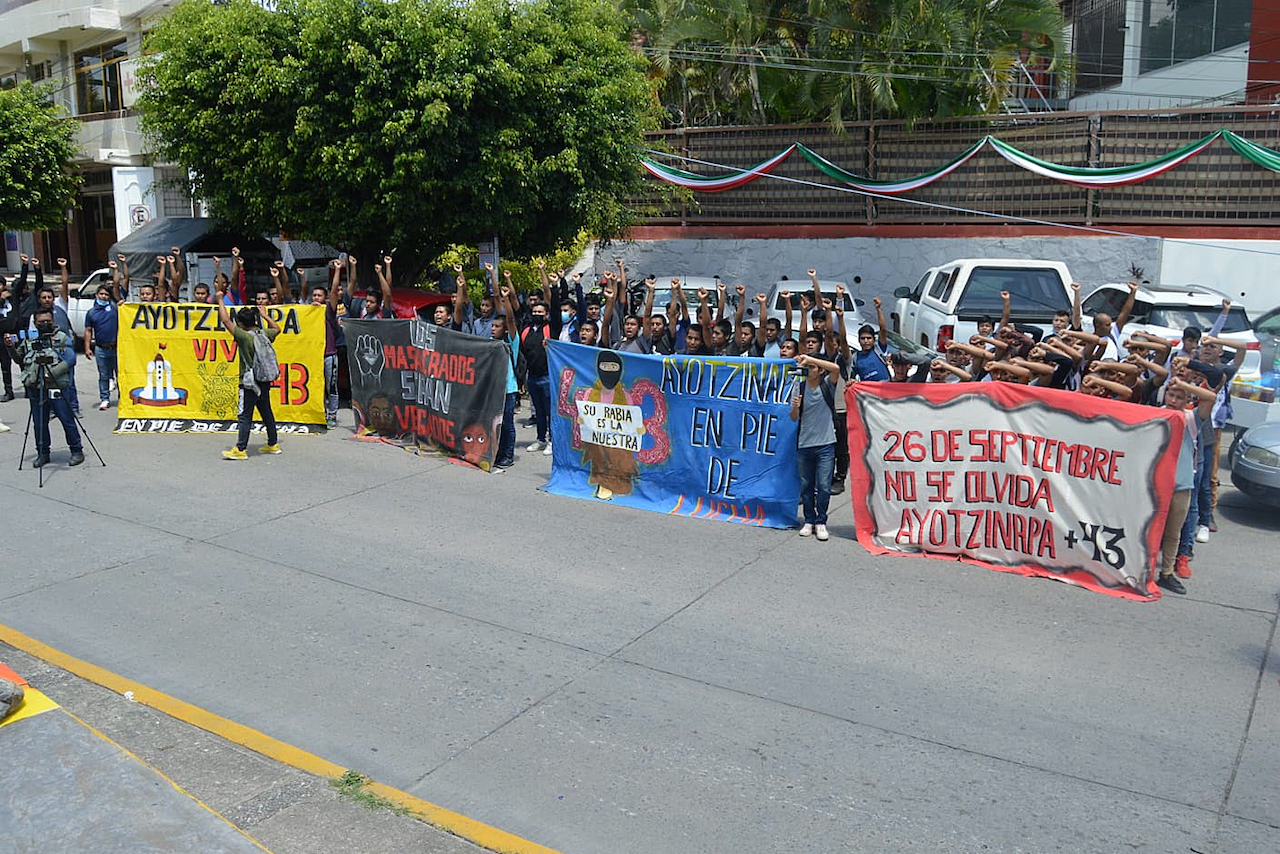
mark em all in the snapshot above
pixel 1153 54
pixel 87 53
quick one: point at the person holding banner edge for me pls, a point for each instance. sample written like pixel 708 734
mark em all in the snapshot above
pixel 813 405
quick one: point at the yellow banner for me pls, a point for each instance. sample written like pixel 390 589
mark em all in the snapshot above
pixel 179 370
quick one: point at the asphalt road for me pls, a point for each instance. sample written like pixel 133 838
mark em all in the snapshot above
pixel 611 681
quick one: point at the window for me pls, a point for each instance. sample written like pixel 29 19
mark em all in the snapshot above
pixel 98 79
pixel 1099 44
pixel 1032 293
pixel 1180 317
pixel 9 81
pixel 1177 30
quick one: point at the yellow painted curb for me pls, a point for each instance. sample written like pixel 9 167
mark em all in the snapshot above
pixel 468 828
pixel 154 770
pixel 33 703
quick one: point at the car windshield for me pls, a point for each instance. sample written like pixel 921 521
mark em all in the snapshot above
pixel 661 297
pixel 1202 317
pixel 780 304
pixel 1036 292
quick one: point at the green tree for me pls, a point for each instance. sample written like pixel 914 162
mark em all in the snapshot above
pixel 38 142
pixel 403 126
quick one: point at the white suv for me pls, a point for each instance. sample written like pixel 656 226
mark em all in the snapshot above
pixel 1166 311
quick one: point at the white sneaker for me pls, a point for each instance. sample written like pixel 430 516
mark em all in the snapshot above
pixel 4 428
pixel 1202 534
pixel 546 449
pixel 103 405
pixel 534 446
pixel 820 531
pixel 806 530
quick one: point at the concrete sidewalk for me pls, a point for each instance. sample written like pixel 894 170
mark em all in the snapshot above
pixel 89 770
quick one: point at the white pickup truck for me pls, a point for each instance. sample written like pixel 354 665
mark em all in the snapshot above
pixel 950 299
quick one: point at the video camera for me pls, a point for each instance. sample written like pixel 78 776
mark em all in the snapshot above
pixel 41 347
pixel 42 352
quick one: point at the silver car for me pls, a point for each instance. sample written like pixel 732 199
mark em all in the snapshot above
pixel 1255 462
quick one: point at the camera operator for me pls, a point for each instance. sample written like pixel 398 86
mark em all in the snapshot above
pixel 45 298
pixel 43 355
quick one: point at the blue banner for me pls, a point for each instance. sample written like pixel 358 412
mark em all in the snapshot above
pixel 706 437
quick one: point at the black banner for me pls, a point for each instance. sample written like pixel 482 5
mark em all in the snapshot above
pixel 419 385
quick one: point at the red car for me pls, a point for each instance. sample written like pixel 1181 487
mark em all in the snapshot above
pixel 411 302
pixel 406 303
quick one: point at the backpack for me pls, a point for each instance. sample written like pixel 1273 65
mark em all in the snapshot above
pixel 265 369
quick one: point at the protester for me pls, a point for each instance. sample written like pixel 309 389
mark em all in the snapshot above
pixel 499 331
pixel 10 311
pixel 533 339
pixel 254 393
pixel 1179 397
pixel 813 406
pixel 101 329
pixel 332 332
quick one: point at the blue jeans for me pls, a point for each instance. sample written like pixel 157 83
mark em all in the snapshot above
pixel 1187 542
pixel 42 411
pixel 106 359
pixel 540 391
pixel 1204 499
pixel 70 392
pixel 507 439
pixel 815 466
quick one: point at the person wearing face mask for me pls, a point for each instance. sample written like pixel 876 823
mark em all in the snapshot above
pixel 45 375
pixel 101 324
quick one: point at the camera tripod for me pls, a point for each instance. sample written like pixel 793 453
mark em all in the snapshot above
pixel 44 376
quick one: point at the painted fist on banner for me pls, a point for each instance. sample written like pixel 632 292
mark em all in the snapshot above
pixel 369 357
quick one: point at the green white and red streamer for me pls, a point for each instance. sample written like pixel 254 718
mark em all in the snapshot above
pixel 1080 176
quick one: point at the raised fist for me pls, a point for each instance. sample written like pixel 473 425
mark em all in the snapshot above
pixel 875 301
pixel 457 268
pixel 542 265
pixel 62 262
pixel 813 272
pixel 740 290
pixel 369 357
pixel 762 299
pixel 386 259
pixel 488 266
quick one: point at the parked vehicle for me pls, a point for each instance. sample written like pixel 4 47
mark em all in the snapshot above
pixel 1255 397
pixel 949 300
pixel 689 286
pixel 1255 462
pixel 776 306
pixel 1168 310
pixel 411 302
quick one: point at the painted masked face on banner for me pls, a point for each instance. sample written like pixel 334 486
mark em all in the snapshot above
pixel 609 369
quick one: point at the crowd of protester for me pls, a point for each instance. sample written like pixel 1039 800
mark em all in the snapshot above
pixel 1192 376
